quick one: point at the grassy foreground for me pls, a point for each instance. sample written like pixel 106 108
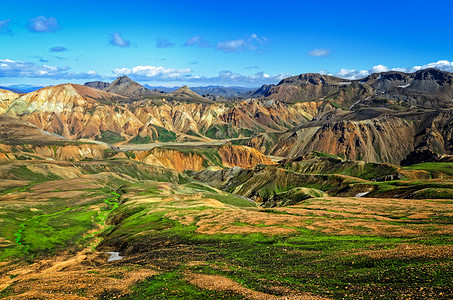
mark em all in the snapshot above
pixel 182 239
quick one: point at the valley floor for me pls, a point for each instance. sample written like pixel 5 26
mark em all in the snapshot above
pixel 181 239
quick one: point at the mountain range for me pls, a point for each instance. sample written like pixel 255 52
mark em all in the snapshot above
pixel 21 88
pixel 314 188
pixel 386 117
pixel 125 86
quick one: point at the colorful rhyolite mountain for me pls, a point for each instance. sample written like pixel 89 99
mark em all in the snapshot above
pixel 386 117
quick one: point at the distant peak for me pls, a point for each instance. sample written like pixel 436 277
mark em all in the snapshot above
pixel 184 88
pixel 123 79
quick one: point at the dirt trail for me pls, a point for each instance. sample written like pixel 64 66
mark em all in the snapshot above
pixel 145 147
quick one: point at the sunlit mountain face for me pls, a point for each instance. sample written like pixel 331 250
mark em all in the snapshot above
pixel 225 151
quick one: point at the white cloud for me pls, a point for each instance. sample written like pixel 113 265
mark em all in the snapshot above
pixel 43 24
pixel 352 74
pixel 443 65
pixel 152 72
pixel 162 74
pixel 319 52
pixel 197 41
pixel 117 40
pixel 18 69
pixel 252 43
pixel 379 69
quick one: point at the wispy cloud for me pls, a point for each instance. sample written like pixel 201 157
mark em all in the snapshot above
pixel 117 40
pixel 319 52
pixel 443 65
pixel 58 49
pixel 4 27
pixel 352 74
pixel 18 69
pixel 252 43
pixel 197 41
pixel 228 77
pixel 164 43
pixel 153 73
pixel 43 24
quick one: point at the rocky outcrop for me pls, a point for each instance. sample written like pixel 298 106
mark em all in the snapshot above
pixel 384 139
pixel 16 131
pixel 187 158
pixel 241 156
pixel 68 152
pixel 100 85
pixel 186 94
pixel 6 98
pixel 172 159
pixel 263 91
pixel 126 87
pixel 372 135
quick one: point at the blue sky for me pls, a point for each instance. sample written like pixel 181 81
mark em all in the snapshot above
pixel 244 43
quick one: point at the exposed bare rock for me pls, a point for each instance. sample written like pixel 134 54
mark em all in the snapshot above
pixel 241 156
pixel 16 131
pixel 6 98
pixel 309 87
pixel 75 111
pixel 263 91
pixel 172 159
pixel 128 88
pixel 100 85
pixel 372 135
pixel 186 94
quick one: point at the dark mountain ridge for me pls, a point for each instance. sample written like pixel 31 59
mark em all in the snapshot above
pixel 427 88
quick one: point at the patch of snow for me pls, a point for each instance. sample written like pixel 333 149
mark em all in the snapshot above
pixel 362 194
pixel 359 102
pixel 114 256
pixel 345 83
pixel 404 86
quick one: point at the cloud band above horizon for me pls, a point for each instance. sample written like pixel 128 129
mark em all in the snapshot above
pixel 19 69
